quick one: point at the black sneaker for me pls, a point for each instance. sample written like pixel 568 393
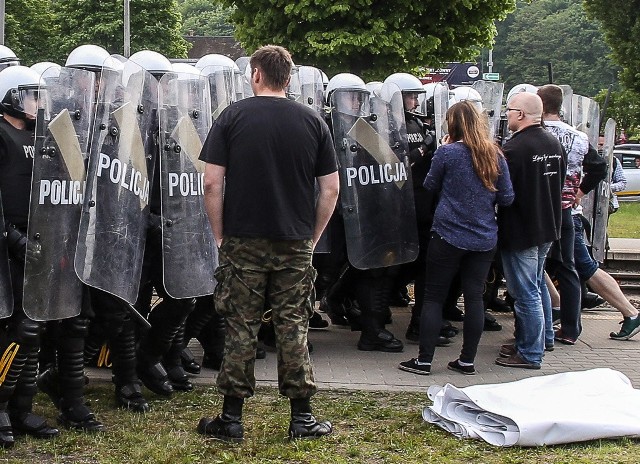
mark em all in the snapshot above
pixel 317 322
pixel 413 366
pixel 629 328
pixel 456 366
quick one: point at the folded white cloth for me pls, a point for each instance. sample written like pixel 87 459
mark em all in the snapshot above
pixel 546 410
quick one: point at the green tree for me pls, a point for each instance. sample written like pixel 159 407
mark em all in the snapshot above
pixel 370 37
pixel 31 22
pixel 155 25
pixel 556 31
pixel 620 20
pixel 202 17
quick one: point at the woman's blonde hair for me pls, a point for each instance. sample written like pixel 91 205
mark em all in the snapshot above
pixel 466 124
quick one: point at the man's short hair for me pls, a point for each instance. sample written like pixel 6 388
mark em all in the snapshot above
pixel 275 63
pixel 551 96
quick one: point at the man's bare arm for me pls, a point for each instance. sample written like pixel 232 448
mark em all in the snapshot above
pixel 213 197
pixel 329 187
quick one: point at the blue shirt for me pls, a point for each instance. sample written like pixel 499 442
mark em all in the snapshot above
pixel 465 216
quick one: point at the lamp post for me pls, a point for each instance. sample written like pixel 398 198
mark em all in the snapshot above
pixel 127 29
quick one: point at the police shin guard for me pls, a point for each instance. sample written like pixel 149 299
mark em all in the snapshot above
pixel 23 420
pixel 373 297
pixel 212 340
pixel 173 365
pixel 128 392
pixel 11 365
pixel 303 424
pixel 227 426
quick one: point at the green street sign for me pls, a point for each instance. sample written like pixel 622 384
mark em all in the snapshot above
pixel 491 76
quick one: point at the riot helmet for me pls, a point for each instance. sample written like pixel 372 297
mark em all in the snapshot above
pixel 521 88
pixel 19 91
pixel 91 58
pixel 224 69
pixel 349 92
pixel 374 87
pixel 413 94
pixel 155 63
pixel 46 69
pixel 7 58
pixel 465 93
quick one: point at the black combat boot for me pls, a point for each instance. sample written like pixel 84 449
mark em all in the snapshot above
pixel 189 362
pixel 173 365
pixel 23 420
pixel 128 387
pixel 303 424
pixel 227 426
pixel 373 294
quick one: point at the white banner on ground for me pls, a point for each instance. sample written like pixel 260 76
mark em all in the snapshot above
pixel 547 410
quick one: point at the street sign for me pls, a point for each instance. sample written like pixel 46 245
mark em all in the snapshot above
pixel 490 76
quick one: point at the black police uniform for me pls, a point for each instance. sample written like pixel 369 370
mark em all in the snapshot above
pixel 21 340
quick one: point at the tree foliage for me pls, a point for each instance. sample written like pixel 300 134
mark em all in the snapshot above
pixel 30 30
pixel 620 20
pixel 556 31
pixel 370 37
pixel 155 25
pixel 203 17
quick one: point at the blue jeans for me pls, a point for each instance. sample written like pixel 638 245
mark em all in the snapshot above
pixel 585 264
pixel 524 273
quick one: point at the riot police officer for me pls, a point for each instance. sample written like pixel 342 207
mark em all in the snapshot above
pixel 422 144
pixel 21 340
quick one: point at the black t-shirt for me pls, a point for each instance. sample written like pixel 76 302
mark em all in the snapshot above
pixel 273 149
pixel 16 165
pixel 537 165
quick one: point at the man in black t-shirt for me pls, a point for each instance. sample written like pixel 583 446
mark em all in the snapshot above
pixel 266 153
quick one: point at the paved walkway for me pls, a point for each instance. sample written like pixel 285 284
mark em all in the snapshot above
pixel 339 365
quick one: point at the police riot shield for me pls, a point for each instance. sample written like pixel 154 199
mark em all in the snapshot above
pixel 221 88
pixel 245 70
pixel 376 192
pixel 311 88
pixel 491 93
pixel 6 293
pixel 595 205
pixel 52 289
pixel 189 251
pixel 440 106
pixel 585 116
pixel 567 103
pixel 115 210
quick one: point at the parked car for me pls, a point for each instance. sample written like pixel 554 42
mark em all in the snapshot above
pixel 629 155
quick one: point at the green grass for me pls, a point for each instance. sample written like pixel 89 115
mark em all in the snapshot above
pixel 625 223
pixel 370 427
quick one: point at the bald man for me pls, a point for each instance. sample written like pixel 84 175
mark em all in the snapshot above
pixel 526 229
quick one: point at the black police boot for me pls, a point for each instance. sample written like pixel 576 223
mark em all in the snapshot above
pixel 373 296
pixel 6 431
pixel 79 417
pixel 227 426
pixel 303 424
pixel 128 391
pixel 23 420
pixel 171 362
pixel 189 362
pixel 154 377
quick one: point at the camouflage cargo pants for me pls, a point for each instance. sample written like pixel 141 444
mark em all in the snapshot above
pixel 253 272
